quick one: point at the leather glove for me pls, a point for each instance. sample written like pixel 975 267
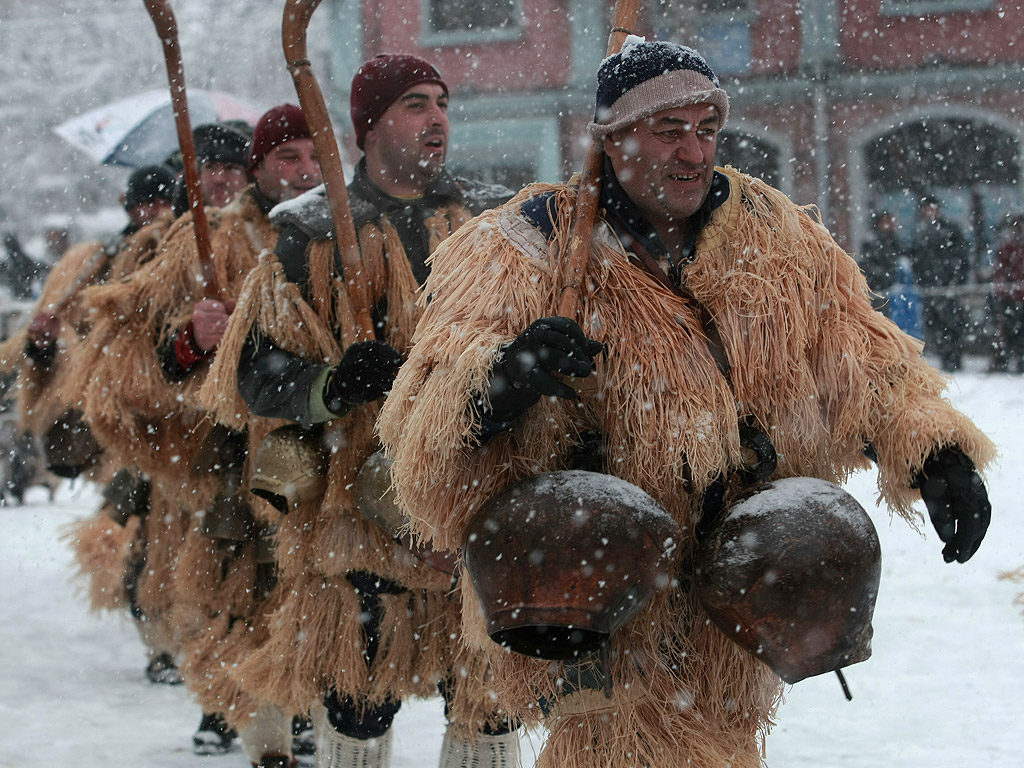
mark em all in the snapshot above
pixel 957 502
pixel 526 367
pixel 365 372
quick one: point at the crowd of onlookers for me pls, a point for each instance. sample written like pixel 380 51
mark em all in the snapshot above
pixel 931 288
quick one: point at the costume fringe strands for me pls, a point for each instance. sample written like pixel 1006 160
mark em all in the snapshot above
pixel 812 364
pixel 102 550
pixel 204 583
pixel 311 646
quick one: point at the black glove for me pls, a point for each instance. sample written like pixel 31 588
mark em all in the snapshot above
pixel 365 372
pixel 524 370
pixel 957 502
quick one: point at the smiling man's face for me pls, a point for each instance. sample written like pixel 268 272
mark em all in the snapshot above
pixel 665 162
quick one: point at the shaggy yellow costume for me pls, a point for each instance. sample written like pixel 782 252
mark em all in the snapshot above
pixel 102 548
pixel 314 640
pixel 820 372
pixel 144 417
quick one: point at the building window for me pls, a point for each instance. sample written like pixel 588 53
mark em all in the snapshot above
pixel 719 29
pixel 452 22
pixel 919 7
pixel 749 154
pixel 509 151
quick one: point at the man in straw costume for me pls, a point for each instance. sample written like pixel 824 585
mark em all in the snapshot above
pixel 108 547
pixel 708 298
pixel 363 622
pixel 205 556
pixel 48 352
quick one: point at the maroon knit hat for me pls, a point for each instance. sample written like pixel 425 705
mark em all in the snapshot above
pixel 276 126
pixel 383 79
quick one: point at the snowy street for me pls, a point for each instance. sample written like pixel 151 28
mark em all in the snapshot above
pixel 942 689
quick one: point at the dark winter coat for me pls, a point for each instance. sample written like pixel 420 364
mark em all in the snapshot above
pixel 879 260
pixel 941 254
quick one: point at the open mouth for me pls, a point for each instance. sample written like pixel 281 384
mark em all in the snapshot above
pixel 685 178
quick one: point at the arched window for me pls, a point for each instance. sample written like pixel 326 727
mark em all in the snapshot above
pixel 750 155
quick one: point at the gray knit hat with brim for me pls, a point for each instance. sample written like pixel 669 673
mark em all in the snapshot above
pixel 647 77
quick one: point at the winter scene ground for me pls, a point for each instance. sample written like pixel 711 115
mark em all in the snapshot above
pixel 941 690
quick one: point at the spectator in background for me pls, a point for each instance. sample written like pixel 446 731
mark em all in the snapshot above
pixel 1008 276
pixel 879 259
pixel 941 261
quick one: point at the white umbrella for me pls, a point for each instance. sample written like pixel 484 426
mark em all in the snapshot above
pixel 140 130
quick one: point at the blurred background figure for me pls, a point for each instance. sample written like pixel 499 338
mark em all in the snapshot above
pixel 1008 295
pixel 879 257
pixel 941 260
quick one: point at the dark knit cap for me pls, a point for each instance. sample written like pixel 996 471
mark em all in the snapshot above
pixel 380 81
pixel 150 182
pixel 220 143
pixel 278 125
pixel 648 77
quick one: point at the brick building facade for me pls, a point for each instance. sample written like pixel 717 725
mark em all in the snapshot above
pixel 853 105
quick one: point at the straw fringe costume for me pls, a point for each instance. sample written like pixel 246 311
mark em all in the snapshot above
pixel 50 390
pixel 155 420
pixel 316 639
pixel 812 364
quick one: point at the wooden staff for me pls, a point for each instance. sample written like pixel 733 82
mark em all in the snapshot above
pixel 167 29
pixel 297 14
pixel 581 231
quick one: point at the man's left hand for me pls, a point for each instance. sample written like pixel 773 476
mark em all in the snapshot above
pixel 957 502
pixel 209 321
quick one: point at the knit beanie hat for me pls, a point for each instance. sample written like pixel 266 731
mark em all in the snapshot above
pixel 648 77
pixel 380 81
pixel 278 125
pixel 150 182
pixel 220 143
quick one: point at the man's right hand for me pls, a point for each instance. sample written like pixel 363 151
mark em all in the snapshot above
pixel 527 366
pixel 43 330
pixel 209 321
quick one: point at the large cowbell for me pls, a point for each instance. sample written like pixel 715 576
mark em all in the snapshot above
pixel 791 574
pixel 561 560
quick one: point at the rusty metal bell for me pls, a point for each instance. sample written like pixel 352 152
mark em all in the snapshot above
pixel 289 468
pixel 375 496
pixel 69 445
pixel 561 560
pixel 229 518
pixel 125 495
pixel 791 573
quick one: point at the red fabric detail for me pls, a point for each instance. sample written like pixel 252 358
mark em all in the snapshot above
pixel 185 348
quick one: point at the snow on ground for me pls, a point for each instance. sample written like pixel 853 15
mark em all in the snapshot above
pixel 942 689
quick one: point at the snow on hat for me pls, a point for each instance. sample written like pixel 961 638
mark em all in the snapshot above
pixel 150 182
pixel 647 77
pixel 278 125
pixel 220 143
pixel 380 81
